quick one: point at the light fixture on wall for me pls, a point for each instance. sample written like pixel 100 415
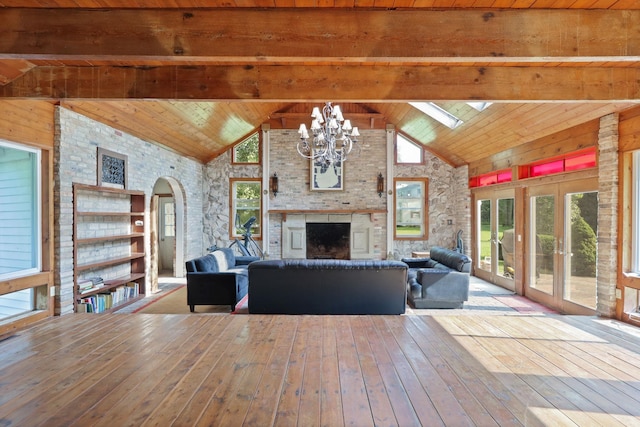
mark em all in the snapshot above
pixel 273 184
pixel 380 184
pixel 333 137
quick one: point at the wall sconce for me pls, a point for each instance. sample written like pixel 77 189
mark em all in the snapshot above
pixel 380 184
pixel 273 184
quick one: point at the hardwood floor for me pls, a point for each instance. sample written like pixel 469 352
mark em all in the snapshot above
pixel 184 370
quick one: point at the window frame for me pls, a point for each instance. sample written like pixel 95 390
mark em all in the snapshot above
pixel 242 141
pixel 410 141
pixel 232 206
pixel 172 215
pixel 37 225
pixel 424 206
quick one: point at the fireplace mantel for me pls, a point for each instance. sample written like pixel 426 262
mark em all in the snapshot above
pixel 284 212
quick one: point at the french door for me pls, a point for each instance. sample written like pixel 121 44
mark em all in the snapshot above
pixel 495 237
pixel 562 246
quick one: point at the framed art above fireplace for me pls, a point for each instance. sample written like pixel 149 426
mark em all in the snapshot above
pixel 326 176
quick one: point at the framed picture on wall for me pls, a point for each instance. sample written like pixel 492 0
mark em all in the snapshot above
pixel 112 169
pixel 327 176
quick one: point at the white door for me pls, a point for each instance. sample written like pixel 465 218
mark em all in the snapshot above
pixel 166 234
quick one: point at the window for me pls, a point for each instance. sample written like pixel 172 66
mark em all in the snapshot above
pixel 20 249
pixel 408 152
pixel 19 212
pixel 245 203
pixel 411 211
pixel 578 160
pixel 438 113
pixel 490 178
pixel 247 151
pixel 168 219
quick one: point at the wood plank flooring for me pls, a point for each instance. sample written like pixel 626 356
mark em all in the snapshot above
pixel 411 370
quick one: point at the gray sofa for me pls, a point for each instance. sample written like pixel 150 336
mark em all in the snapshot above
pixel 327 286
pixel 440 281
pixel 218 278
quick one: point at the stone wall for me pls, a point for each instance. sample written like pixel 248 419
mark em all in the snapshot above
pixel 77 140
pixel 216 197
pixel 608 183
pixel 448 193
pixel 449 204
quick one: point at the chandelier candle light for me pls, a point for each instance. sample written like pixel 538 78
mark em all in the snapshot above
pixel 333 136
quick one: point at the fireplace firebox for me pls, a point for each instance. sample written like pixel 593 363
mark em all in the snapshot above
pixel 328 240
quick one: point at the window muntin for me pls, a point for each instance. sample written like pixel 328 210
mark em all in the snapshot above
pixel 20 224
pixel 411 211
pixel 247 151
pixel 408 152
pixel 246 201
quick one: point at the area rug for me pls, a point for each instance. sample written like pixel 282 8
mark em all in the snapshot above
pixel 174 301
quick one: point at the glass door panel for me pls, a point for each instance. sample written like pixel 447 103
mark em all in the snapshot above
pixel 506 232
pixel 542 243
pixel 580 248
pixel 484 234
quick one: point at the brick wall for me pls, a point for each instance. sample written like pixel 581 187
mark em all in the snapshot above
pixel 448 192
pixel 76 141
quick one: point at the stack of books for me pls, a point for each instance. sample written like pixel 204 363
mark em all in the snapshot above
pixel 89 284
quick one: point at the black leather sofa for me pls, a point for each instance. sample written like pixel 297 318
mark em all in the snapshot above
pixel 440 281
pixel 218 278
pixel 327 287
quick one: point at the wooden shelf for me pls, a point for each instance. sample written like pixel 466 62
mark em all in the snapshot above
pixel 99 189
pixel 125 226
pixel 285 212
pixel 109 262
pixel 111 284
pixel 91 240
pixel 124 214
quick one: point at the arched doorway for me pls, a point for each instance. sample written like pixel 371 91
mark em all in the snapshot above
pixel 167 230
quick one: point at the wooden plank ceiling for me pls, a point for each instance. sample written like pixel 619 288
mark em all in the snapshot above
pixel 194 76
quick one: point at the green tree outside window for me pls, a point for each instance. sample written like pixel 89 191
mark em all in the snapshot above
pixel 248 151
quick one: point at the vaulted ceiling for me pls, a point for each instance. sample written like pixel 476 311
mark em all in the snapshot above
pixel 198 75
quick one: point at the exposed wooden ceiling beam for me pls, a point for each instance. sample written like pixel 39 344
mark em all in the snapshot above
pixel 338 83
pixel 250 36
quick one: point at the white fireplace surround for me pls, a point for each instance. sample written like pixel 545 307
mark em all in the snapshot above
pixel 294 239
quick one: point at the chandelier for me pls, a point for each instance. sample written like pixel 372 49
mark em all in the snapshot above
pixel 333 137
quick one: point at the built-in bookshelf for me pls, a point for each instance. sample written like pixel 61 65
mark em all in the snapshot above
pixel 108 248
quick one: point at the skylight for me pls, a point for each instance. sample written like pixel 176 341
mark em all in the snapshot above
pixel 437 113
pixel 480 106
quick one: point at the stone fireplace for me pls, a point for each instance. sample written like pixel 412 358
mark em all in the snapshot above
pixel 328 240
pixel 327 235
